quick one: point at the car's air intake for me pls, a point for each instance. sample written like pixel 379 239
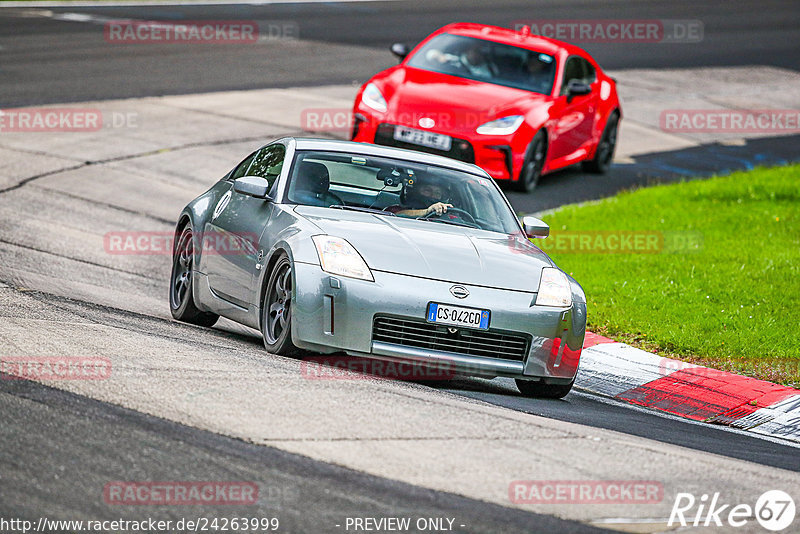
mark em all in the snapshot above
pixel 423 335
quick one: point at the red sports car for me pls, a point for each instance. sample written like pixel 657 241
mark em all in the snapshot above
pixel 517 105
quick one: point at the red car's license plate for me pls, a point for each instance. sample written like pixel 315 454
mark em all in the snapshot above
pixel 423 138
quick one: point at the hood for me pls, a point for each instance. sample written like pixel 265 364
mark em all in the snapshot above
pixel 456 104
pixel 435 250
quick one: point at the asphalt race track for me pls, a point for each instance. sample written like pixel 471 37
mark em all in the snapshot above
pixel 59 433
pixel 187 403
pixel 53 61
pixel 56 56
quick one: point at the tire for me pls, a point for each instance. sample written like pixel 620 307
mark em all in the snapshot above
pixel 529 388
pixel 181 282
pixel 605 148
pixel 276 310
pixel 532 167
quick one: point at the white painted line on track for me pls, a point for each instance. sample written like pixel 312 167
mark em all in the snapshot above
pixel 181 3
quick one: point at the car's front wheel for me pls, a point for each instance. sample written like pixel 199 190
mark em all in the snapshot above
pixel 533 164
pixel 541 390
pixel 276 311
pixel 605 148
pixel 181 299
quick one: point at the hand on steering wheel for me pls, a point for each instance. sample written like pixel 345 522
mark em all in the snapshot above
pixel 448 208
pixel 437 208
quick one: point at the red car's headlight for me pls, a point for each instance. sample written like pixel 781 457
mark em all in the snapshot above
pixel 502 126
pixel 373 98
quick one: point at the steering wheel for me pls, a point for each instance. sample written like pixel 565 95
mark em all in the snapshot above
pixel 458 212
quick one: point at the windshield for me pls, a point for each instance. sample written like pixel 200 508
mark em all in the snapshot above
pixel 398 188
pixel 487 61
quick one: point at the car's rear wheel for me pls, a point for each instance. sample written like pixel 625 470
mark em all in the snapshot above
pixel 533 164
pixel 181 298
pixel 276 311
pixel 605 148
pixel 541 390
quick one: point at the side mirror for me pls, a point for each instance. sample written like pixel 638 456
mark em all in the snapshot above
pixel 576 88
pixel 400 50
pixel 254 186
pixel 535 227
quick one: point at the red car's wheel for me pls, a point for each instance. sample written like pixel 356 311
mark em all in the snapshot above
pixel 605 148
pixel 532 167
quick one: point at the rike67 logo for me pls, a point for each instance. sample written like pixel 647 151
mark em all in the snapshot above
pixel 774 510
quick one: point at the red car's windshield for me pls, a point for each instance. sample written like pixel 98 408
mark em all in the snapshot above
pixel 487 61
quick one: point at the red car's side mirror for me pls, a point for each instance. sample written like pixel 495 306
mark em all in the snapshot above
pixel 400 50
pixel 576 88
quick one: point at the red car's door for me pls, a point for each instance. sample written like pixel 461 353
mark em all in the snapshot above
pixel 574 116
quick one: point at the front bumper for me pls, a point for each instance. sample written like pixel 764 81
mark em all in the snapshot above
pixel 337 314
pixel 498 155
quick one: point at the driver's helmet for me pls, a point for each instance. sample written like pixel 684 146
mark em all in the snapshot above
pixel 422 191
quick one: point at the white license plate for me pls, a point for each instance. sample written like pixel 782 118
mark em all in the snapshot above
pixel 458 316
pixel 423 138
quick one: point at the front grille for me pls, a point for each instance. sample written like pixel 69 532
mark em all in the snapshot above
pixel 460 149
pixel 424 335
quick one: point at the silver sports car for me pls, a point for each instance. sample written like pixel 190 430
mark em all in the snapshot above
pixel 381 253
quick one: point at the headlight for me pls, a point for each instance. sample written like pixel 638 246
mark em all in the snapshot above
pixel 554 289
pixel 504 126
pixel 373 98
pixel 337 256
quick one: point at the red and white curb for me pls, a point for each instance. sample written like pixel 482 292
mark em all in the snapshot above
pixel 699 393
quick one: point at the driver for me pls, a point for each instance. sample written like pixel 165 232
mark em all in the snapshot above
pixel 537 72
pixel 472 58
pixel 422 199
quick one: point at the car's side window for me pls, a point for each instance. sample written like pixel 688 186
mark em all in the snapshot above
pixel 589 75
pixel 241 169
pixel 577 69
pixel 572 71
pixel 268 163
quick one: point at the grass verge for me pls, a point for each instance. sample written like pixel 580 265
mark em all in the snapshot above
pixel 706 271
